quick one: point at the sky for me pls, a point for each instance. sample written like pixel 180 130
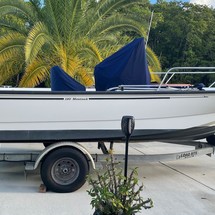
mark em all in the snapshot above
pixel 206 2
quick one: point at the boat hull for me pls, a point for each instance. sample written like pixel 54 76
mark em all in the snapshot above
pixel 96 116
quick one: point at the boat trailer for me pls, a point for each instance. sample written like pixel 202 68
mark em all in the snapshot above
pixel 63 162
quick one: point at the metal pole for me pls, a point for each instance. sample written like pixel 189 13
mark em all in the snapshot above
pixel 127 125
pixel 126 157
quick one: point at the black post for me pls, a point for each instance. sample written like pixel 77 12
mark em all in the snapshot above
pixel 127 125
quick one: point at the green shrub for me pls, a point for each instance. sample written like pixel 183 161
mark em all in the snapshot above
pixel 114 194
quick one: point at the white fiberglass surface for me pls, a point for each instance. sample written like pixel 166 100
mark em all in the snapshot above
pixel 105 112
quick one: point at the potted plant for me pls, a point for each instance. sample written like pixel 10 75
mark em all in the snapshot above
pixel 113 193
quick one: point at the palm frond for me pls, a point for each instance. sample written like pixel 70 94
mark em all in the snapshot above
pixel 89 48
pixel 36 6
pixel 84 78
pixel 14 24
pixel 106 8
pixel 71 64
pixel 154 65
pixel 73 14
pixel 153 60
pixel 53 18
pixel 37 37
pixel 11 46
pixel 9 69
pixel 118 23
pixel 16 7
pixel 35 73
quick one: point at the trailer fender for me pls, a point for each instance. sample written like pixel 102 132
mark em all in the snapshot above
pixel 54 146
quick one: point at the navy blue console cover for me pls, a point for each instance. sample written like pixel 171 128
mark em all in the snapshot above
pixel 61 81
pixel 128 66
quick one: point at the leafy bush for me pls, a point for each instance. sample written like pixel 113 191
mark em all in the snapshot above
pixel 114 194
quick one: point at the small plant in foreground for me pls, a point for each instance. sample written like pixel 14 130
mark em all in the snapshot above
pixel 113 194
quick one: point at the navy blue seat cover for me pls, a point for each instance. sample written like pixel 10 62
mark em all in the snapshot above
pixel 61 81
pixel 128 66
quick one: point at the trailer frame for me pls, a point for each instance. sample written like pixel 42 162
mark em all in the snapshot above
pixel 33 159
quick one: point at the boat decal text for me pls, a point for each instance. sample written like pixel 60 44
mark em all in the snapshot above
pixel 186 155
pixel 77 98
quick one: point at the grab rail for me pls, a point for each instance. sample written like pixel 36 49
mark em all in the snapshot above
pixel 164 84
pixel 184 72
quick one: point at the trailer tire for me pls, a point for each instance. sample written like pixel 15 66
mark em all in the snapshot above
pixel 64 170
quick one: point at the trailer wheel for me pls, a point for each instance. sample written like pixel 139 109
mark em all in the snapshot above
pixel 64 170
pixel 211 139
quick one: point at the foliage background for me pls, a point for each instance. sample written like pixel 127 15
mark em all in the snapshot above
pixel 184 36
pixel 74 34
pixel 35 37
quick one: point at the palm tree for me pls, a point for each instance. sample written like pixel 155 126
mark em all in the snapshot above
pixel 75 34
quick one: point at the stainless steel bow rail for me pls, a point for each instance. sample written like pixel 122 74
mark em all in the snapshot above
pixel 167 77
pixel 186 70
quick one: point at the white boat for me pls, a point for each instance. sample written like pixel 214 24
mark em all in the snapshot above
pixel 161 113
pixel 164 114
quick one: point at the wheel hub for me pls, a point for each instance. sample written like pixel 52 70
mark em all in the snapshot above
pixel 65 171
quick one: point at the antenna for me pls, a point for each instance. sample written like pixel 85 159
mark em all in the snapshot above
pixel 150 24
